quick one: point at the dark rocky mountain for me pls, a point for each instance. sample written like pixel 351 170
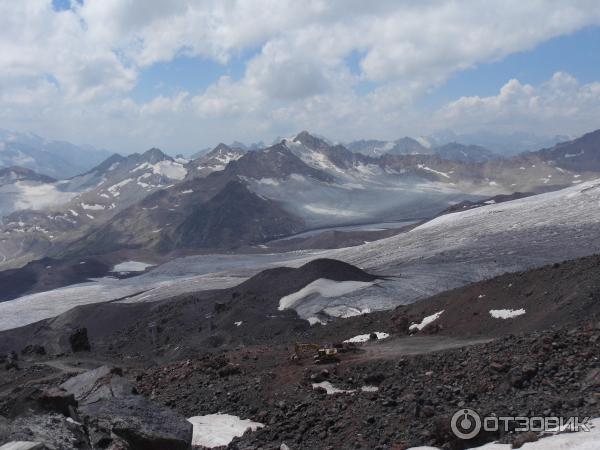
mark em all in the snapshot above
pixel 318 152
pixel 46 274
pixel 84 202
pixel 213 161
pixel 214 212
pixel 232 218
pixel 276 161
pixel 579 155
pixel 9 175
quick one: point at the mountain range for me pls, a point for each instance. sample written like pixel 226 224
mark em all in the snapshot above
pixel 230 197
pixel 58 159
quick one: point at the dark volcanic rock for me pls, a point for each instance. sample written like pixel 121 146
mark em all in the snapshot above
pixel 33 350
pixel 233 217
pixel 139 422
pixel 285 280
pixel 57 400
pixel 79 340
pixel 52 431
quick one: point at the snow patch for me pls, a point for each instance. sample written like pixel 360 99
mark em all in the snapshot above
pixel 169 169
pixel 315 320
pixel 323 287
pixel 94 207
pixel 426 321
pixel 331 389
pixel 506 313
pixel 218 430
pixel 369 388
pixel 366 337
pixel 268 181
pixel 131 266
pixel 429 169
pixel 115 188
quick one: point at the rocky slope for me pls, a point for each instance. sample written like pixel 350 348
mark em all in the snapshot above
pixel 81 203
pixel 213 161
pixel 395 392
pixel 579 155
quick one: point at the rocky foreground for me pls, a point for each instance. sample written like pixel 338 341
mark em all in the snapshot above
pixel 392 403
pixel 382 399
pixel 119 376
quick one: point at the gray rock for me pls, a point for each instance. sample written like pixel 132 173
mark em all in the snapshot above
pixel 139 422
pixel 22 445
pixel 79 341
pixel 98 384
pixel 55 431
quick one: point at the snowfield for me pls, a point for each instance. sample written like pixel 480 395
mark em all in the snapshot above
pixel 218 430
pixel 445 253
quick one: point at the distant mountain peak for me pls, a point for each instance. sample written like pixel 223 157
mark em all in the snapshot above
pixel 17 173
pixel 310 141
pixel 155 155
pixel 220 148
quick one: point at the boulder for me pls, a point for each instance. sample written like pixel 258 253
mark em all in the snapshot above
pixel 23 445
pixel 98 384
pixel 12 361
pixel 55 431
pixel 142 424
pixel 57 400
pixel 79 341
pixel 34 350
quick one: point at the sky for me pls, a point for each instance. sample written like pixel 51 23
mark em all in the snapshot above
pixel 183 75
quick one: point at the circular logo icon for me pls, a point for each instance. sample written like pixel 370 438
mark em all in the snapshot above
pixel 466 424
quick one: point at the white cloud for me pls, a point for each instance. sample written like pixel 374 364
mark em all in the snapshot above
pixel 557 104
pixel 70 74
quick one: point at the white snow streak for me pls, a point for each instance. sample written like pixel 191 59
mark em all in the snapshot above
pixel 366 337
pixel 426 321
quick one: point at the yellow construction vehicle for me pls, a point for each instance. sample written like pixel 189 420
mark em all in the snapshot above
pixel 323 354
